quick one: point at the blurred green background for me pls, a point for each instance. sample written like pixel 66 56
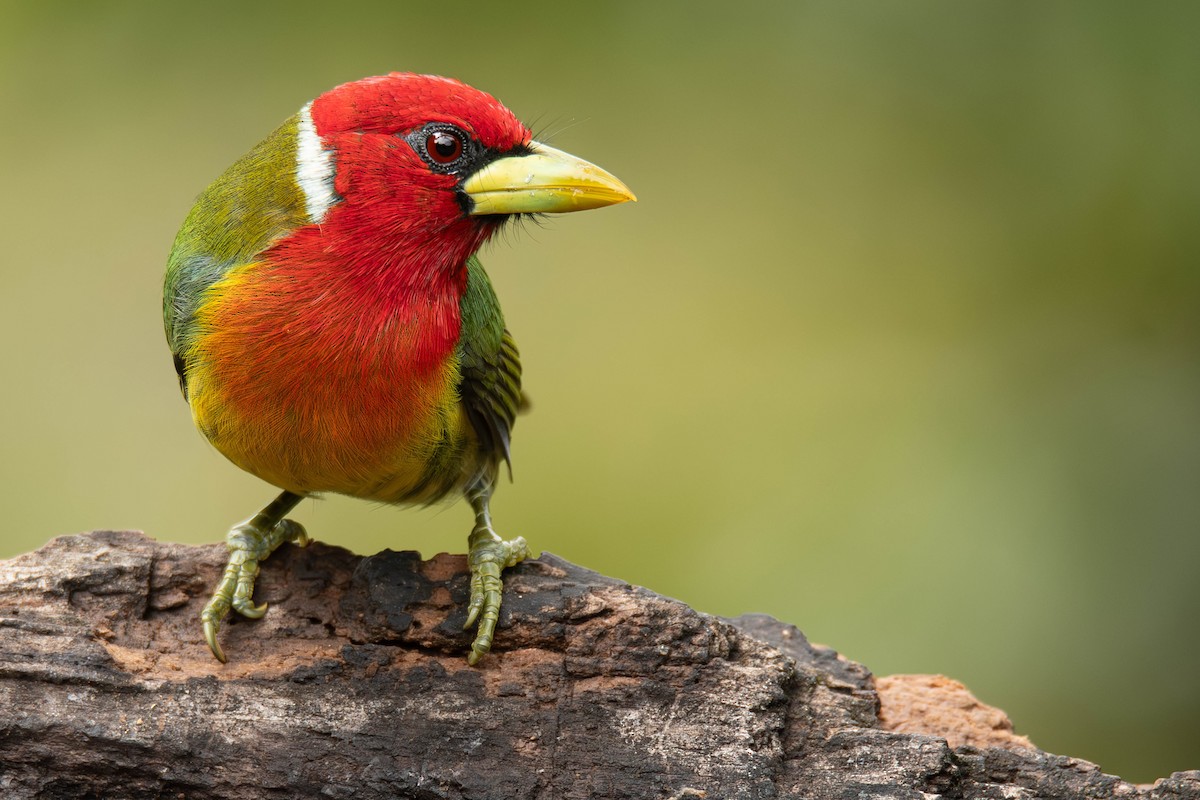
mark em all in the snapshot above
pixel 901 343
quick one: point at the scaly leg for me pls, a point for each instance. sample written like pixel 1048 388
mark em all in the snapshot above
pixel 488 554
pixel 249 543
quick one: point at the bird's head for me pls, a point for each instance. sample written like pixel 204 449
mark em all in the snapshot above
pixel 410 160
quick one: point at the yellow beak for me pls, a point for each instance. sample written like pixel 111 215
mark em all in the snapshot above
pixel 545 181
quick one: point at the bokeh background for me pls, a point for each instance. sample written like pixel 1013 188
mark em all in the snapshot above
pixel 901 343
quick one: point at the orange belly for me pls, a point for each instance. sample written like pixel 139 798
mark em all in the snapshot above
pixel 335 398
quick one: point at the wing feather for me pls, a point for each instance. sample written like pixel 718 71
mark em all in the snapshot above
pixel 490 369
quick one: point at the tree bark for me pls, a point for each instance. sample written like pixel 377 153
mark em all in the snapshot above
pixel 355 685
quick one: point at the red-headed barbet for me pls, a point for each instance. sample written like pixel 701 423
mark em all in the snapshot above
pixel 333 329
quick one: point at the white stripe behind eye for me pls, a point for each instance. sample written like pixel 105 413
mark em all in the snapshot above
pixel 314 168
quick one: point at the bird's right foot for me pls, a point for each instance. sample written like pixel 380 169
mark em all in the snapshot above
pixel 249 544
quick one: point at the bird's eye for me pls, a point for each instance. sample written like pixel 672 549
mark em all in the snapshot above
pixel 443 147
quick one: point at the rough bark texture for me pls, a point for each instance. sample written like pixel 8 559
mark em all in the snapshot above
pixel 355 685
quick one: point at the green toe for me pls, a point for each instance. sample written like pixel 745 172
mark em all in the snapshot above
pixel 488 556
pixel 249 544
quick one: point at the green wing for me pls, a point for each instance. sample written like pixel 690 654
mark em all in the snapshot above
pixel 253 204
pixel 490 367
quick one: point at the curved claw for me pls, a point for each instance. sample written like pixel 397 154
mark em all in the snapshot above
pixel 475 605
pixel 295 533
pixel 210 635
pixel 248 610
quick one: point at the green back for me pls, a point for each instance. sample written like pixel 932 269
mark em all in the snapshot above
pixel 251 205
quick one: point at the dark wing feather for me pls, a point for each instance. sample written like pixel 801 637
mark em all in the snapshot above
pixel 490 369
pixel 491 393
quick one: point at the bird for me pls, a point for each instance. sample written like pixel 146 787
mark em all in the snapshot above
pixel 333 329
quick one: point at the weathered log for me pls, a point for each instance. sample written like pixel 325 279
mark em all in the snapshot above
pixel 355 685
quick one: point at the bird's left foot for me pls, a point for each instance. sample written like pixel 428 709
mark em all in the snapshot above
pixel 249 543
pixel 488 556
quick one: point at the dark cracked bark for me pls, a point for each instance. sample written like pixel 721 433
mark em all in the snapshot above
pixel 355 685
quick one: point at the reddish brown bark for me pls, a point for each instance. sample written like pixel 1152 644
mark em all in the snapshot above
pixel 355 685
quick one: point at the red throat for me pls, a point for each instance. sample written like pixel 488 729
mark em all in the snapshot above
pixel 360 287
